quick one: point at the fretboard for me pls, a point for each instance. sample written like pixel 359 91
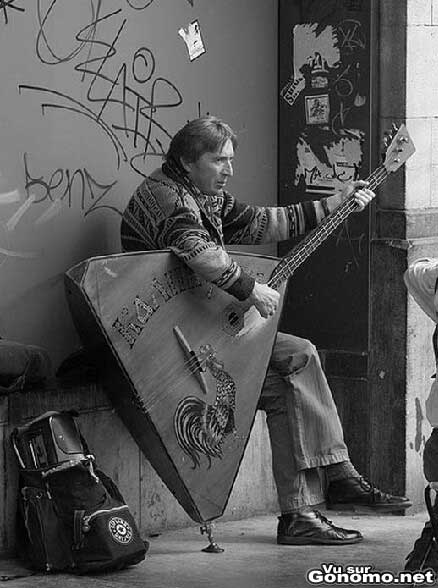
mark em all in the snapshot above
pixel 288 264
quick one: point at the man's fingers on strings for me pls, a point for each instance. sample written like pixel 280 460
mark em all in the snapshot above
pixel 363 197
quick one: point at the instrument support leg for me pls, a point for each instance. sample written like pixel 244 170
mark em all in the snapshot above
pixel 212 547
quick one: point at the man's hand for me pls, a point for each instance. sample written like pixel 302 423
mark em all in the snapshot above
pixel 363 195
pixel 265 299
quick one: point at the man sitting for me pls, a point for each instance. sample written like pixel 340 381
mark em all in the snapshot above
pixel 184 206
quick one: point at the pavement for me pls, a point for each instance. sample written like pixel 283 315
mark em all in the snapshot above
pixel 251 558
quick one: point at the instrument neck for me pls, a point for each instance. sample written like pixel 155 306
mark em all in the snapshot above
pixel 288 264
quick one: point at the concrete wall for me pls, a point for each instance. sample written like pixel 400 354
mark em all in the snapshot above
pixel 405 229
pixel 421 206
pixel 41 237
pixel 114 121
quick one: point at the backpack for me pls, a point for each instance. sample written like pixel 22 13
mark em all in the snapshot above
pixel 424 555
pixel 71 516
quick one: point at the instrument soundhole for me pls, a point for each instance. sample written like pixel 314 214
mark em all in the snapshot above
pixel 232 320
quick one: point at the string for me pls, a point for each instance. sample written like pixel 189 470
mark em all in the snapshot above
pixel 166 376
pixel 171 379
pixel 312 240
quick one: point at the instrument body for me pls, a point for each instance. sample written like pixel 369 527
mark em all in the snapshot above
pixel 183 363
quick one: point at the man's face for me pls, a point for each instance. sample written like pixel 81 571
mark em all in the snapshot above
pixel 212 170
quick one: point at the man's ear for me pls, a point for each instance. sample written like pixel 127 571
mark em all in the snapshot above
pixel 186 165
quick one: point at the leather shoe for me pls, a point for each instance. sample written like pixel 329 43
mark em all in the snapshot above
pixel 312 528
pixel 352 493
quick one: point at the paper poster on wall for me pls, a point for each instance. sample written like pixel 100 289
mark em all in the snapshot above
pixel 311 49
pixel 325 92
pixel 325 171
pixel 326 57
pixel 193 40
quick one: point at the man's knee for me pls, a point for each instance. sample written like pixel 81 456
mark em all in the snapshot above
pixel 286 343
pixel 292 353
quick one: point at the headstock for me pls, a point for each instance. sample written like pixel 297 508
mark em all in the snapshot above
pixel 399 147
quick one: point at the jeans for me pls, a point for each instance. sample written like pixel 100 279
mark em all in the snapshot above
pixel 303 422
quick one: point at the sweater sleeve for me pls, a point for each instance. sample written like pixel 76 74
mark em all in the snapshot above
pixel 252 225
pixel 185 235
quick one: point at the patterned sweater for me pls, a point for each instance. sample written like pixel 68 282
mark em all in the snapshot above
pixel 165 214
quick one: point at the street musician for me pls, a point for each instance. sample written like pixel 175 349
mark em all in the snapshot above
pixel 184 206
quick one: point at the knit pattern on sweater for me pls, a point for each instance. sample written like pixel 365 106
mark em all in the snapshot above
pixel 163 214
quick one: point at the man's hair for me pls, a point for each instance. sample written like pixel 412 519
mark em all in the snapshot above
pixel 199 136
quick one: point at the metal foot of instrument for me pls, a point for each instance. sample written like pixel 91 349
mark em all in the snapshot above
pixel 212 547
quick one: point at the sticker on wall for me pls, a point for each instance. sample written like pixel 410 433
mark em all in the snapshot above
pixel 193 40
pixel 292 90
pixel 317 109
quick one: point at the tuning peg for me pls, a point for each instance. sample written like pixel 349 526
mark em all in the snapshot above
pixel 388 137
pixel 395 127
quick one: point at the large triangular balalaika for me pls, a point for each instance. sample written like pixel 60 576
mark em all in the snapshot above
pixel 186 379
pixel 183 362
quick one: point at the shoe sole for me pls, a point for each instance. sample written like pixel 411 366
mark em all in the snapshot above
pixel 367 508
pixel 310 541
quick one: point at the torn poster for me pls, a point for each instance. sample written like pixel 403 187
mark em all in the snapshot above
pixel 193 40
pixel 325 170
pixel 311 47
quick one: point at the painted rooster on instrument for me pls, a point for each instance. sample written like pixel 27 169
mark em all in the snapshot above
pixel 201 428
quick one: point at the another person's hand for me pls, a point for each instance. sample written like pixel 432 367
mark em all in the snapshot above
pixel 265 299
pixel 363 195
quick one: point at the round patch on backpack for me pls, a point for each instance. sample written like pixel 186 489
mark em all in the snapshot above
pixel 121 530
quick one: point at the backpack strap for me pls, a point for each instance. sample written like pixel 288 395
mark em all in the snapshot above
pixel 78 532
pixel 87 462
